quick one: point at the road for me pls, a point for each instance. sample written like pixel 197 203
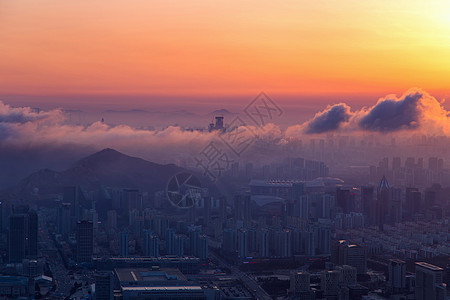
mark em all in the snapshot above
pixel 60 273
pixel 248 282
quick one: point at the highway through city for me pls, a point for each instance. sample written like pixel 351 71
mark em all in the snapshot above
pixel 248 282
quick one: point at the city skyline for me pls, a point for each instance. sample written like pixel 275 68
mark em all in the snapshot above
pixel 216 150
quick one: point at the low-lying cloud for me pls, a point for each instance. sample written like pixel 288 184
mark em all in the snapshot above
pixel 392 113
pixel 330 119
pixel 31 139
pixel 414 110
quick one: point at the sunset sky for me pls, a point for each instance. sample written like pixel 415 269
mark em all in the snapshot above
pixel 74 50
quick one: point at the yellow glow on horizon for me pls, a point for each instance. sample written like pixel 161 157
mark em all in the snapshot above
pixel 209 47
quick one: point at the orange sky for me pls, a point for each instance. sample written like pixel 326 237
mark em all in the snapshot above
pixel 211 47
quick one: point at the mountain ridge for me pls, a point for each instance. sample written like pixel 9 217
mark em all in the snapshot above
pixel 107 167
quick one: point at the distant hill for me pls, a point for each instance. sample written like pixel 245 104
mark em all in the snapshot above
pixel 131 111
pixel 107 167
pixel 221 111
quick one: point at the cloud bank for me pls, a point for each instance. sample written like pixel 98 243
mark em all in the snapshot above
pixel 31 139
pixel 414 110
pixel 330 119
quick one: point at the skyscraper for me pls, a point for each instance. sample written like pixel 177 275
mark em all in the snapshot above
pixel 152 246
pixel 71 194
pixel 203 247
pixel 397 275
pixel 229 244
pixel 263 243
pixel 147 239
pixel 85 241
pixel 367 203
pixel 104 286
pixel 179 244
pixel 345 200
pixel 63 218
pixel 329 283
pixel 194 234
pixel 17 237
pixel 347 253
pixel 242 238
pixel 382 203
pixel 429 282
pixel 124 243
pixel 413 201
pixel 300 285
pixel 170 241
pixel 1 216
pixel 112 219
pixel 285 245
pixel 33 234
pixel 23 234
pixel 242 209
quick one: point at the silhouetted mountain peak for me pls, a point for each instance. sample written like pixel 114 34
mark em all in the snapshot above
pixel 103 157
pixel 107 167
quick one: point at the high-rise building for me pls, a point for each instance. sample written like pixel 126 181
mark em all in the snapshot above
pixel 348 275
pixel 397 275
pixel 396 163
pixel 147 240
pixel 323 238
pixel 64 222
pixel 347 253
pixel 179 245
pixel 242 238
pixel 242 209
pixel 1 216
pixel 382 203
pixel 300 285
pixel 152 247
pixel 203 247
pixel 85 241
pixel 104 286
pixel 329 283
pixel 33 234
pixel 207 211
pixel 298 190
pixel 17 237
pixel 229 244
pixel 429 282
pixel 301 207
pixel 285 243
pixel 111 219
pixel 263 243
pixel 130 199
pixel 413 201
pixel 23 234
pixel 194 235
pixel 433 164
pixel 124 243
pixel 345 200
pixel 367 203
pixel 71 194
pixel 170 241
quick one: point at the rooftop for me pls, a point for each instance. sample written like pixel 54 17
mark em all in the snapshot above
pixel 429 266
pixel 162 288
pixel 148 275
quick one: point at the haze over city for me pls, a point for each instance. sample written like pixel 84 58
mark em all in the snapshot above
pixel 224 150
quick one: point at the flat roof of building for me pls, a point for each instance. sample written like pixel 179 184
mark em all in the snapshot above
pixel 397 261
pixel 148 274
pixel 318 182
pixel 179 288
pixel 429 266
